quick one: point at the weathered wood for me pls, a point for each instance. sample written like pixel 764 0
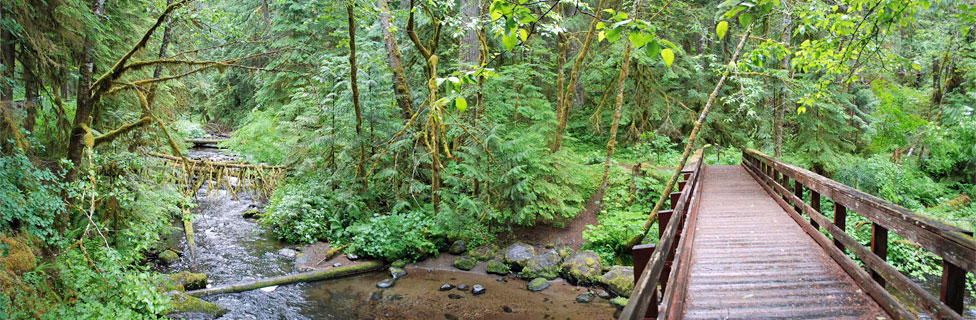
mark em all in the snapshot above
pixel 894 277
pixel 953 286
pixel 218 163
pixel 878 293
pixel 950 243
pixel 310 276
pixel 642 254
pixel 840 220
pixel 674 302
pixel 879 246
pixel 815 204
pixel 205 141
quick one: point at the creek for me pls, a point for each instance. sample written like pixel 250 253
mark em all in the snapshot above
pixel 232 249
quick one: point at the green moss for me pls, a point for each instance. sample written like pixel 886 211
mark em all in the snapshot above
pixel 189 280
pixel 582 267
pixel 619 302
pixel 19 258
pixel 185 303
pixel 399 263
pixel 620 280
pixel 497 267
pixel 465 262
pixel 169 257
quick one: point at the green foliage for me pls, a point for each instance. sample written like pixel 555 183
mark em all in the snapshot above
pixel 30 198
pixel 188 128
pixel 902 185
pixel 622 217
pixel 305 211
pixel 395 236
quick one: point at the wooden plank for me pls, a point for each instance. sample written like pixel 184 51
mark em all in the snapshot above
pixel 894 277
pixel 674 296
pixel 950 243
pixel 815 204
pixel 840 220
pixel 879 246
pixel 642 254
pixel 953 286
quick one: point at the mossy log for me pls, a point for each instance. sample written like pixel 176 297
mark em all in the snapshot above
pixel 204 141
pixel 310 276
pixel 217 163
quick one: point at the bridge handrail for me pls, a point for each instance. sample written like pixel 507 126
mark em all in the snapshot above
pixel 956 246
pixel 646 287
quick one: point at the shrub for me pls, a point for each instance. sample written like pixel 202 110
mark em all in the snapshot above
pixel 308 211
pixel 29 198
pixel 395 236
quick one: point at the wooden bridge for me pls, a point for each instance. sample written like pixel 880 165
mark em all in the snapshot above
pixel 754 242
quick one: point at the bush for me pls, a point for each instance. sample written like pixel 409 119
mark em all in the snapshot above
pixel 29 198
pixel 902 185
pixel 308 211
pixel 621 218
pixel 188 128
pixel 395 236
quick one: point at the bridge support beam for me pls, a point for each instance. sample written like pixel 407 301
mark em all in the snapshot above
pixel 642 255
pixel 953 286
pixel 840 220
pixel 879 245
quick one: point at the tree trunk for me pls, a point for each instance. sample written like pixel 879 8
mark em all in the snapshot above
pixel 361 167
pixel 691 143
pixel 7 59
pixel 470 45
pixel 404 100
pixel 563 114
pixel 84 104
pixel 782 98
pixel 31 84
pixel 621 83
pixel 310 276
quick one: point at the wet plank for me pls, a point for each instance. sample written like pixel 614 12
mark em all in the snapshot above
pixel 768 266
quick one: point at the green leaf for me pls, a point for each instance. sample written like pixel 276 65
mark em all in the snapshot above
pixel 638 39
pixel 461 104
pixel 495 14
pixel 668 56
pixel 614 34
pixel 745 19
pixel 600 36
pixel 524 35
pixel 721 29
pixel 509 41
pixel 653 49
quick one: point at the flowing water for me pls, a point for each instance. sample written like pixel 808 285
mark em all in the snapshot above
pixel 232 249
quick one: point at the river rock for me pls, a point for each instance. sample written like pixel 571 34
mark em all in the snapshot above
pixel 288 253
pixel 484 253
pixel 620 280
pixel 518 253
pixel 545 265
pixel 386 283
pixel 619 302
pixel 189 280
pixel 582 267
pixel 182 303
pixel 253 213
pixel 465 262
pixel 538 284
pixel 455 296
pixel 376 295
pixel 457 248
pixel 169 257
pixel 477 289
pixel 399 263
pixel 462 287
pixel 603 295
pixel 585 297
pixel 497 267
pixel 352 256
pixel 446 286
pixel 397 273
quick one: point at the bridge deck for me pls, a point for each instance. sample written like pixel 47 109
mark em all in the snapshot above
pixel 751 260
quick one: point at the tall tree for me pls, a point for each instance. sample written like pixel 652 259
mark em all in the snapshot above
pixel 562 115
pixel 404 99
pixel 361 167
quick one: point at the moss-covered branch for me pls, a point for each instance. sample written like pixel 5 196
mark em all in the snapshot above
pixel 310 276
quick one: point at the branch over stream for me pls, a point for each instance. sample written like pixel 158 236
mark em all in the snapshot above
pixel 310 276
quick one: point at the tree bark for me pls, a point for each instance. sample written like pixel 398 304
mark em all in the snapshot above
pixel 692 137
pixel 84 103
pixel 310 276
pixel 563 113
pixel 470 45
pixel 31 84
pixel 404 100
pixel 361 167
pixel 621 83
pixel 8 55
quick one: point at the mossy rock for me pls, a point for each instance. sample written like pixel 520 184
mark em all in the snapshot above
pixel 484 253
pixel 19 258
pixel 497 267
pixel 619 280
pixel 465 262
pixel 253 214
pixel 168 257
pixel 582 267
pixel 619 302
pixel 518 253
pixel 188 280
pixel 399 263
pixel 182 303
pixel 458 248
pixel 538 284
pixel 546 265
pixel 565 252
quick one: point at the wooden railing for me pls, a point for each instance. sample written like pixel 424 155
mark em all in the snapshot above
pixel 954 245
pixel 656 264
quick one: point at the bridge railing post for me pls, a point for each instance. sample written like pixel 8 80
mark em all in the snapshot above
pixel 879 246
pixel 840 220
pixel 642 255
pixel 815 204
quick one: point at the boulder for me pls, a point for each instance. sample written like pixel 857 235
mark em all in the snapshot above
pixel 477 289
pixel 188 280
pixel 397 273
pixel 253 213
pixel 582 267
pixel 457 248
pixel 545 265
pixel 463 287
pixel 169 257
pixel 619 302
pixel 585 297
pixel 518 253
pixel 497 267
pixel 619 280
pixel 465 262
pixel 446 286
pixel 538 284
pixel 399 263
pixel 288 253
pixel 484 253
pixel 182 303
pixel 19 258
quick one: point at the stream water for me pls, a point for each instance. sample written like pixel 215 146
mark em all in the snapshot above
pixel 232 249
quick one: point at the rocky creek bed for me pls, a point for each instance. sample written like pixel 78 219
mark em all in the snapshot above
pixel 231 249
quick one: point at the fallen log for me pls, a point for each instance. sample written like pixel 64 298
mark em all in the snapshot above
pixel 204 141
pixel 310 276
pixel 218 163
